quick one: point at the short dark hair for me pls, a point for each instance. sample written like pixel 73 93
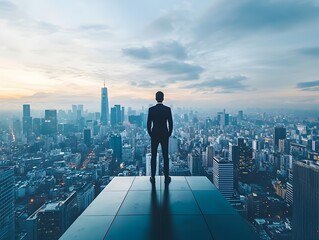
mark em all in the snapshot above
pixel 159 96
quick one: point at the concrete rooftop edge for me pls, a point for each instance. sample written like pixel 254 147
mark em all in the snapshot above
pixel 133 208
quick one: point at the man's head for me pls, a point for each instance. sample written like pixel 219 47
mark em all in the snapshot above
pixel 159 96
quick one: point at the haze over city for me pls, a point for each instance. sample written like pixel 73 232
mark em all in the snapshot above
pixel 244 55
pixel 90 89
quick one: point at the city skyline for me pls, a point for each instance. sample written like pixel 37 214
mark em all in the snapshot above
pixel 247 54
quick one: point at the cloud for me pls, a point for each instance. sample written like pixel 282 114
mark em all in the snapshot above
pixel 95 27
pixel 171 21
pixel 148 84
pixel 308 86
pixel 171 49
pixel 161 25
pixel 139 53
pixel 249 16
pixel 221 85
pixel 167 57
pixel 95 30
pixel 7 6
pixel 182 70
pixel 310 51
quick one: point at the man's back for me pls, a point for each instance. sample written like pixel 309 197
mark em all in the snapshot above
pixel 158 117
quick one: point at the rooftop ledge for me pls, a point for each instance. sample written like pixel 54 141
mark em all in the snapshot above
pixel 188 208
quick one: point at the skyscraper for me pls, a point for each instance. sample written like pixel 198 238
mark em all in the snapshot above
pixel 209 156
pixel 122 114
pixel 26 120
pixel 26 110
pixel 195 163
pixel 234 157
pixel 50 122
pixel 87 137
pixel 223 176
pixel 104 106
pixel 116 146
pixel 305 200
pixel 172 145
pixel 17 128
pixel 223 118
pixel 246 162
pixel 113 116
pixel 280 133
pixel 116 115
pixel 36 126
pixel 290 189
pixel 6 203
pixel 240 115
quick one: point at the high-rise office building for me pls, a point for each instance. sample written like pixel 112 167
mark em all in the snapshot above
pixel 240 115
pixel 223 176
pixel 49 222
pixel 16 125
pixel 81 108
pixel 136 120
pixel 173 145
pixel 87 137
pixel 36 126
pixel 209 156
pixel 280 133
pixel 194 162
pixel 85 195
pixel 234 157
pixel 148 164
pixel 50 124
pixel 122 114
pixel 26 110
pixel 116 115
pixel 116 146
pixel 223 118
pixel 113 116
pixel 7 226
pixel 246 162
pixel 305 200
pixel 52 219
pixel 285 164
pixel 104 106
pixel 290 189
pixel 127 153
pixel 26 120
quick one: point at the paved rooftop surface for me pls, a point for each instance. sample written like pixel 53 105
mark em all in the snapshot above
pixel 133 208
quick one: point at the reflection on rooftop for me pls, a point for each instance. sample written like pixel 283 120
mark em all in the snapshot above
pixel 187 208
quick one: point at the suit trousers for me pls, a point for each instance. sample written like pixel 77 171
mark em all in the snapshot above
pixel 155 141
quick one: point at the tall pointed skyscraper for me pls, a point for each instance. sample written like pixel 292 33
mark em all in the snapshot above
pixel 104 106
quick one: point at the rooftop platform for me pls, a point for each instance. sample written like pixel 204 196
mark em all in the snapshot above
pixel 133 208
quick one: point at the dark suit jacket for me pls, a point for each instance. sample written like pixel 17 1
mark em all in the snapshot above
pixel 158 117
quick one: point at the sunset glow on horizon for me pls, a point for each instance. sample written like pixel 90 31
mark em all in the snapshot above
pixel 200 54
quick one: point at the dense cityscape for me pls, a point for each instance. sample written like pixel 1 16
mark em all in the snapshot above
pixel 81 114
pixel 53 167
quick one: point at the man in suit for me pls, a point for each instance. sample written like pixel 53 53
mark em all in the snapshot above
pixel 158 118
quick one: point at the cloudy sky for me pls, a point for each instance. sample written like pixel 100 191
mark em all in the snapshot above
pixel 204 54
